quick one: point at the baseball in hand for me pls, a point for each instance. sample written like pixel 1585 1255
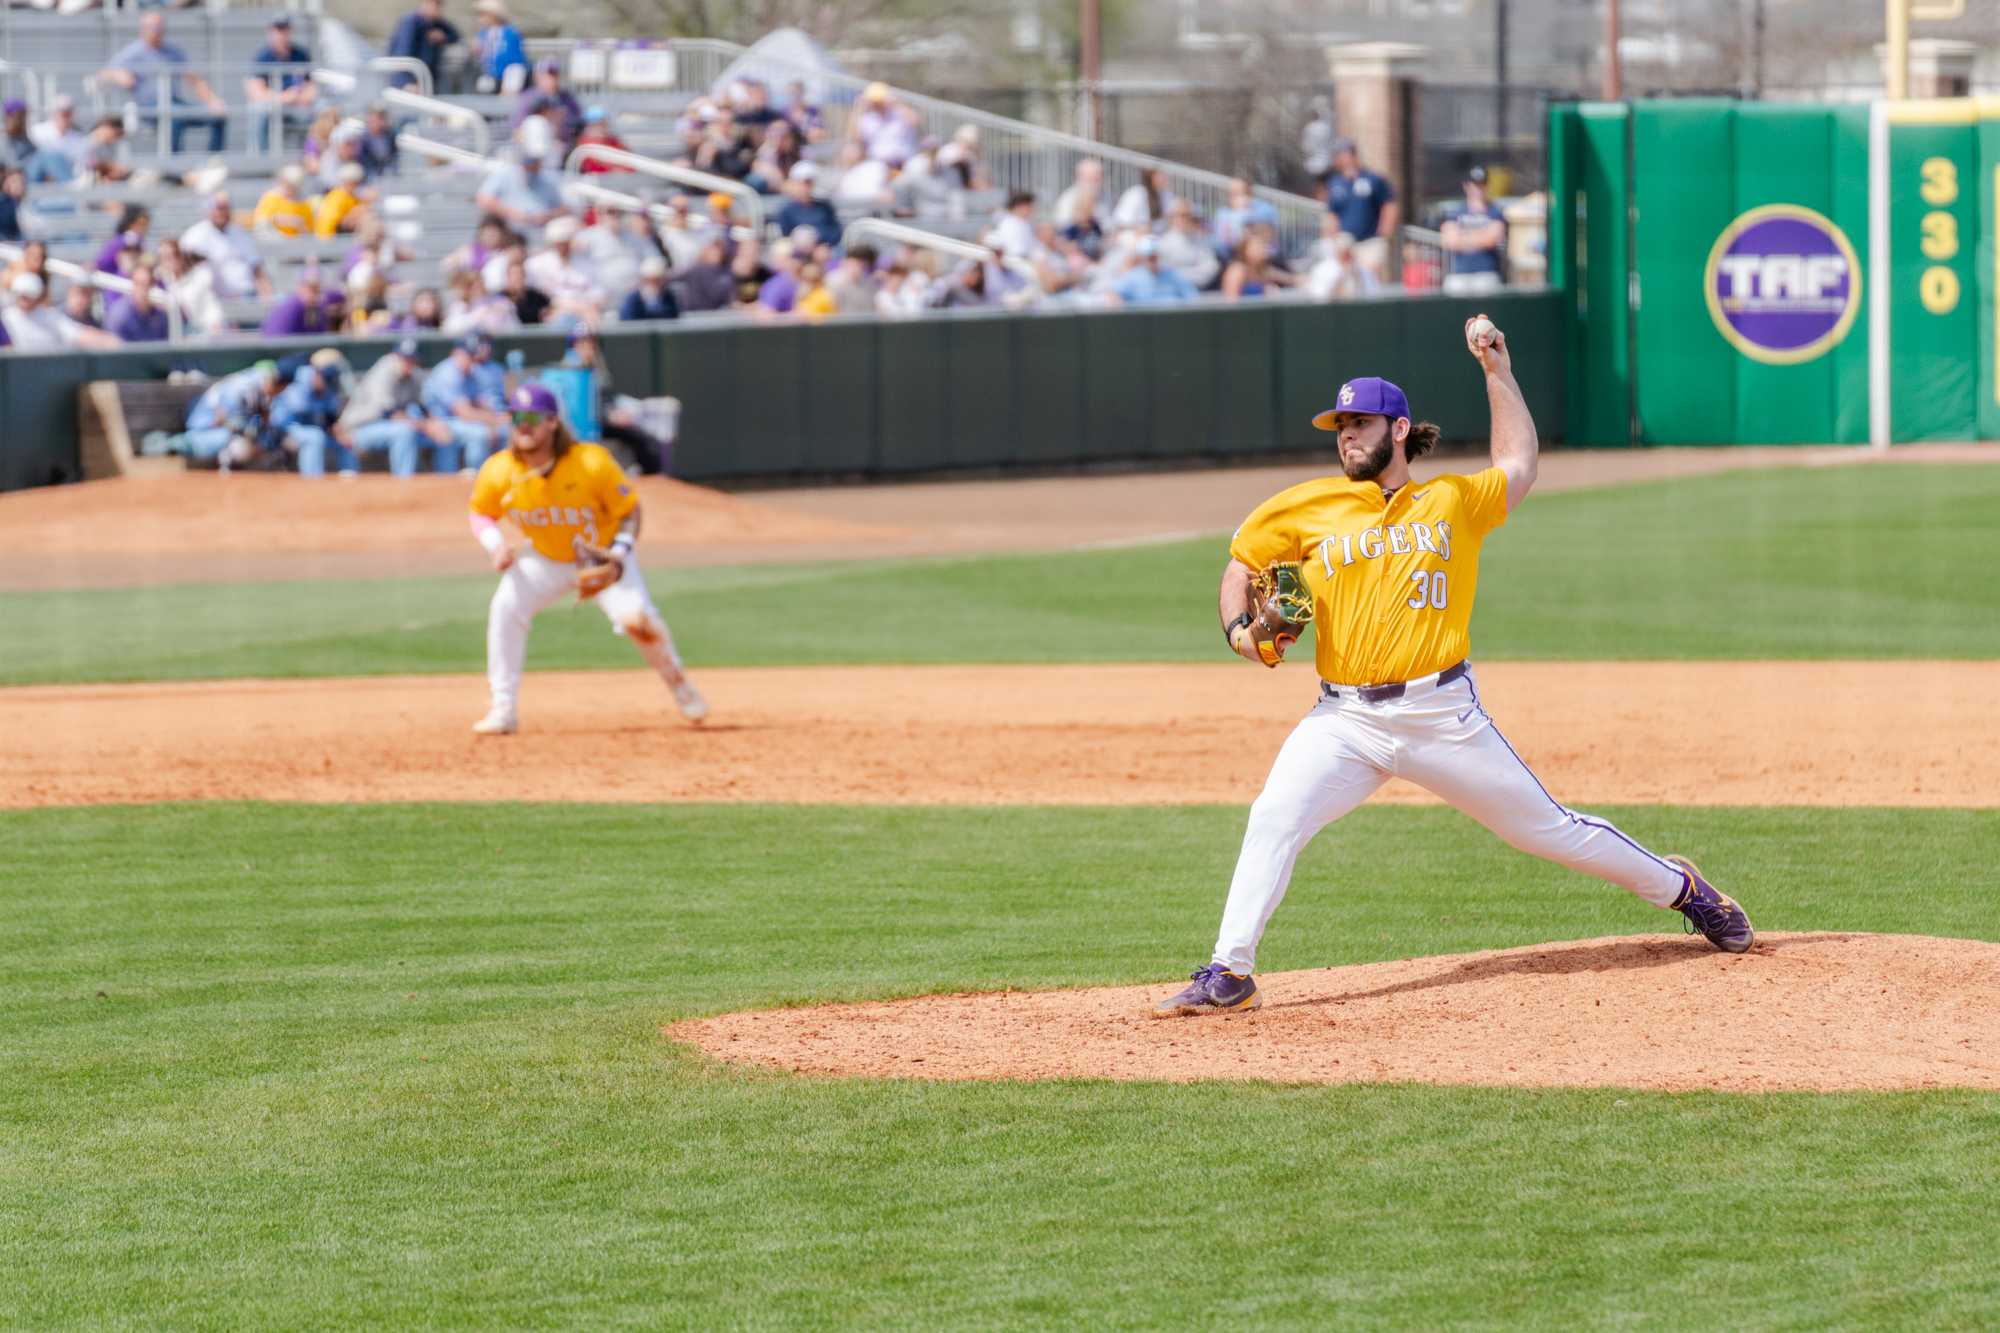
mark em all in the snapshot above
pixel 1480 333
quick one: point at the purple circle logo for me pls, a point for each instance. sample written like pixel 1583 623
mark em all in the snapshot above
pixel 1783 284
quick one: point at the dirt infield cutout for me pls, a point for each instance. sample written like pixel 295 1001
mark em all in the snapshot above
pixel 1821 1012
pixel 1778 733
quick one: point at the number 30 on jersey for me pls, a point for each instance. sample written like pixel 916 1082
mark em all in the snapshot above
pixel 1431 590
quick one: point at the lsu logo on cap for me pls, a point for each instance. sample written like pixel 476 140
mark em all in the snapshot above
pixel 1346 395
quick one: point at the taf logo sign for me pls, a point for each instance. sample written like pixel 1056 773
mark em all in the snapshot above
pixel 1783 284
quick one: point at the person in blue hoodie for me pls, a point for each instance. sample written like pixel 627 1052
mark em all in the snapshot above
pixel 467 393
pixel 303 416
pixel 227 421
pixel 499 49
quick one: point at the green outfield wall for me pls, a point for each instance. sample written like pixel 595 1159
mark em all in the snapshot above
pixel 1764 273
pixel 984 392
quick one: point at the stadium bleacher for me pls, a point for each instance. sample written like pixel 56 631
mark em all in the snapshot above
pixel 428 204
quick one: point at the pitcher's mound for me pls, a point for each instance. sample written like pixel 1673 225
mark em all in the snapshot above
pixel 1806 1012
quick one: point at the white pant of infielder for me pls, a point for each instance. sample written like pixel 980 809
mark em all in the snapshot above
pixel 531 585
pixel 1440 738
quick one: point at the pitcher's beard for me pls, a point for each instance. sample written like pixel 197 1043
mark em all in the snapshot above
pixel 1370 467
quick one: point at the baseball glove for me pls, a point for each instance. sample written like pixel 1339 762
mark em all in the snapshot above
pixel 597 569
pixel 1280 608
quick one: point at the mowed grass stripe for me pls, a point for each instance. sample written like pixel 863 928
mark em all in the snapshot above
pixel 1887 561
pixel 324 1066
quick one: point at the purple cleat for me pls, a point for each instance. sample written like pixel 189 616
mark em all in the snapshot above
pixel 1213 990
pixel 1712 912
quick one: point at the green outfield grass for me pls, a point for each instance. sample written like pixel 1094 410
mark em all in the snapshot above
pixel 336 1066
pixel 1886 561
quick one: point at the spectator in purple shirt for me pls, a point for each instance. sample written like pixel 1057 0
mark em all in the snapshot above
pixel 301 312
pixel 547 98
pixel 138 318
pixel 780 291
pixel 127 241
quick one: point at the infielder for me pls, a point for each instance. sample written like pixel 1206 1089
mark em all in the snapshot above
pixel 566 497
pixel 1390 567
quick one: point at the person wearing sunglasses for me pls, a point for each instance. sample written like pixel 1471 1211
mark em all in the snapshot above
pixel 580 517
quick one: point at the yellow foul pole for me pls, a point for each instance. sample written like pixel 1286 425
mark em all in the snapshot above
pixel 1897 77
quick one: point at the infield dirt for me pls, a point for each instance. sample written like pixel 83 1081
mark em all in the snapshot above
pixel 1717 733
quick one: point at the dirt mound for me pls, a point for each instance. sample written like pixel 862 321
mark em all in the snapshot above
pixel 1799 1012
pixel 1784 733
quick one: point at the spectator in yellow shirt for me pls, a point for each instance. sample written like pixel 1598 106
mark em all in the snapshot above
pixel 343 208
pixel 283 209
pixel 815 301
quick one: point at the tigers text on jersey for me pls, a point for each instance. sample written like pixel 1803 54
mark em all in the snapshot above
pixel 1392 580
pixel 584 495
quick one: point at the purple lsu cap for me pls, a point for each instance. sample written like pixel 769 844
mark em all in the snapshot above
pixel 534 398
pixel 1371 394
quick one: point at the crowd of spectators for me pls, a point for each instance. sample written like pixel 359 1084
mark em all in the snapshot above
pixel 542 257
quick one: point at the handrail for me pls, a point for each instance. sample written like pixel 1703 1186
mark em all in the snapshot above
pixel 583 189
pixel 431 148
pixel 604 194
pixel 406 65
pixel 651 166
pixel 107 282
pixel 430 106
pixel 444 152
pixel 930 240
pixel 481 137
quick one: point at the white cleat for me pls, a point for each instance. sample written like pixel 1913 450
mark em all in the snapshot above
pixel 496 723
pixel 693 707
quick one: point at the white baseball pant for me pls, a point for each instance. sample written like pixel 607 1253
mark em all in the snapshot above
pixel 1440 738
pixel 532 584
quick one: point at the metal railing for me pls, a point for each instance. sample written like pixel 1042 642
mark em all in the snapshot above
pixel 593 67
pixel 106 282
pixel 1014 154
pixel 245 123
pixel 753 203
pixel 420 146
pixel 916 237
pixel 572 187
pixel 450 112
pixel 1423 259
pixel 406 65
pixel 434 108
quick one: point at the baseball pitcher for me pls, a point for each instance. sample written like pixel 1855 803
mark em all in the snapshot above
pixel 581 519
pixel 1386 570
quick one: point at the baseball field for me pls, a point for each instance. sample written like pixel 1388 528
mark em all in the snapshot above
pixel 321 1011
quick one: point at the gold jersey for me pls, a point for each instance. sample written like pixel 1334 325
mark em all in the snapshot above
pixel 1392 579
pixel 584 495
